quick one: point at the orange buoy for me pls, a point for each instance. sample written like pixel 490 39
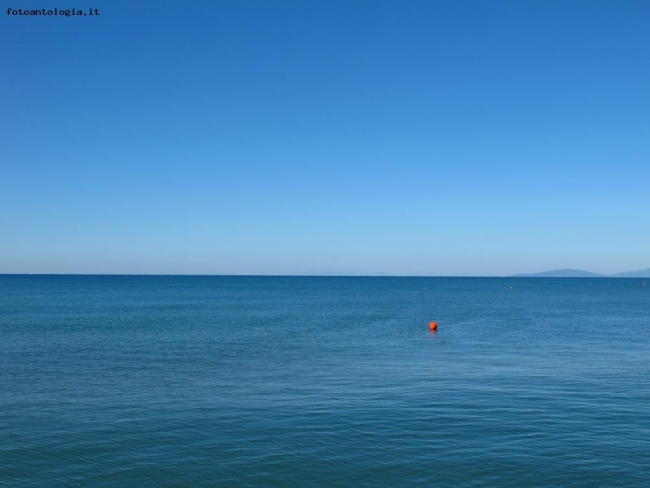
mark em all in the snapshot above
pixel 433 326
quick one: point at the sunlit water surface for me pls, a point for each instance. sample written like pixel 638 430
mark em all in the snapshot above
pixel 315 381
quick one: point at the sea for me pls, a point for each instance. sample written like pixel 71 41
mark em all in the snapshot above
pixel 270 381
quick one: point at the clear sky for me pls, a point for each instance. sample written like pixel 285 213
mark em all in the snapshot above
pixel 326 137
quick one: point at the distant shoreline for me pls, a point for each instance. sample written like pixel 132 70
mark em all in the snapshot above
pixel 518 276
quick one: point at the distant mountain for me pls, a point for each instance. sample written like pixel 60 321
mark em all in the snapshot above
pixel 578 273
pixel 561 273
pixel 643 273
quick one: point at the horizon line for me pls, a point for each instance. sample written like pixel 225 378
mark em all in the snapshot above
pixel 522 275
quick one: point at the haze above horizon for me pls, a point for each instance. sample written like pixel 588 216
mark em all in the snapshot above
pixel 369 137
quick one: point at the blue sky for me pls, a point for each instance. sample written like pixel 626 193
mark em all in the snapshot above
pixel 338 137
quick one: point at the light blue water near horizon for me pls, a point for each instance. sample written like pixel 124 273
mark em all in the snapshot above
pixel 323 381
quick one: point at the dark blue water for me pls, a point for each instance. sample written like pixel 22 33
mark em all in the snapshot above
pixel 288 381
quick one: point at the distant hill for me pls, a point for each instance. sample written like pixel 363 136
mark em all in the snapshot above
pixel 561 273
pixel 578 273
pixel 643 273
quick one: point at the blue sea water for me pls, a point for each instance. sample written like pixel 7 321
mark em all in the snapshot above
pixel 323 381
